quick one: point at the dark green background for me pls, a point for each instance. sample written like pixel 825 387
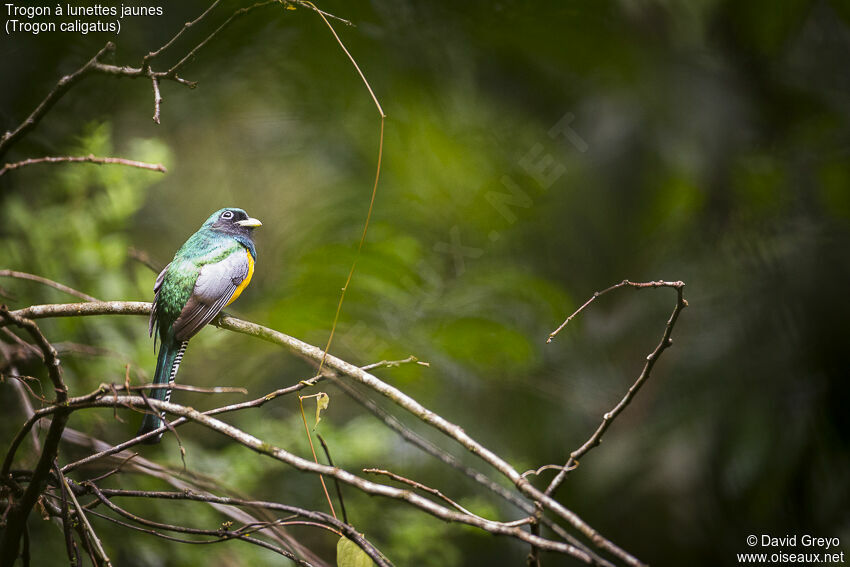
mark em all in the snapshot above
pixel 716 140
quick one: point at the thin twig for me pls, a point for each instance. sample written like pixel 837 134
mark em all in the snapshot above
pixel 89 530
pixel 116 470
pixel 315 458
pixel 144 258
pixel 533 558
pixel 336 481
pixel 394 363
pixel 536 472
pixel 22 343
pixel 322 12
pixel 172 72
pixel 22 387
pixel 157 99
pixel 85 159
pixel 438 494
pixel 597 294
pixel 153 54
pixel 47 282
pixel 374 185
pixel 651 359
pixel 70 544
pixel 184 387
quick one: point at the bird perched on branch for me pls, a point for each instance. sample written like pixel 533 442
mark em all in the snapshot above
pixel 208 273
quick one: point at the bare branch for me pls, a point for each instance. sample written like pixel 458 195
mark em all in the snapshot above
pixel 22 387
pixel 536 472
pixel 84 159
pixel 87 526
pixel 609 417
pixel 153 54
pixel 625 283
pixel 394 363
pixel 438 494
pixel 47 282
pixel 144 258
pixel 70 544
pixel 157 99
pixel 172 72
pixel 184 387
pixel 336 481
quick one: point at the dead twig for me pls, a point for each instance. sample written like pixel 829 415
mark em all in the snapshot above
pixel 440 495
pixel 651 359
pixel 84 159
pixel 47 282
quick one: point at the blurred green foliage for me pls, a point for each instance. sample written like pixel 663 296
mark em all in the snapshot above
pixel 707 142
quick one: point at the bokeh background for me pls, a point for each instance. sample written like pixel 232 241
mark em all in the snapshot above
pixel 534 152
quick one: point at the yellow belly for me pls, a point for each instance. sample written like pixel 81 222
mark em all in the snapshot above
pixel 247 279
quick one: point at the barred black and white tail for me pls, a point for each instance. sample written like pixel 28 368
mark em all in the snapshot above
pixel 167 364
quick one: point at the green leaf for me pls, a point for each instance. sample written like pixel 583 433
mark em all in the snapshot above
pixel 322 401
pixel 348 554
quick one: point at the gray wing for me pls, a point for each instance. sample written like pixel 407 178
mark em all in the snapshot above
pixel 214 287
pixel 156 287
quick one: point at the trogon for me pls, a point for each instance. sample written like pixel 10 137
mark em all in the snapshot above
pixel 208 273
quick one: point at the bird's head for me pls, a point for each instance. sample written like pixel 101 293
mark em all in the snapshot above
pixel 232 220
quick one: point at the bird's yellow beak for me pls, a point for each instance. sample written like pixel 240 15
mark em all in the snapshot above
pixel 250 223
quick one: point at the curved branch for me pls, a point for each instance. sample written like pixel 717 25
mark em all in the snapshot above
pixel 609 417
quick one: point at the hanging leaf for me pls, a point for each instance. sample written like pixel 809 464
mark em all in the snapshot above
pixel 322 401
pixel 348 554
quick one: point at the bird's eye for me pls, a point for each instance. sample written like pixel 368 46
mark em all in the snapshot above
pixel 227 215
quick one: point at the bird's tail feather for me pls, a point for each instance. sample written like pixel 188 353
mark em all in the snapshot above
pixel 167 363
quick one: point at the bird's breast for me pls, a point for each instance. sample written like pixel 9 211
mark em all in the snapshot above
pixel 247 279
